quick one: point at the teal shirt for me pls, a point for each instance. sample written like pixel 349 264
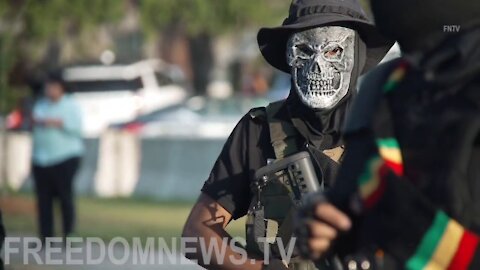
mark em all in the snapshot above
pixel 55 145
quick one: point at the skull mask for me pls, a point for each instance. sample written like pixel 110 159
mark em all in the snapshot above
pixel 322 61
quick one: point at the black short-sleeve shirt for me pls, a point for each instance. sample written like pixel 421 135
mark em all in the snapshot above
pixel 245 151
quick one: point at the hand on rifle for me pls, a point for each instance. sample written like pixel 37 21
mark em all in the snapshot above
pixel 318 224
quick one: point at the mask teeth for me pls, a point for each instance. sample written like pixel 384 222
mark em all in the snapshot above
pixel 321 85
pixel 320 93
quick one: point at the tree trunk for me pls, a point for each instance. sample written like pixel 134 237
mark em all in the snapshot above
pixel 201 53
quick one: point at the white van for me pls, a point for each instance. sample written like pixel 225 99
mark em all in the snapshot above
pixel 109 94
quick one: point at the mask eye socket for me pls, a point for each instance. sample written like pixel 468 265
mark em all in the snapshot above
pixel 305 49
pixel 333 53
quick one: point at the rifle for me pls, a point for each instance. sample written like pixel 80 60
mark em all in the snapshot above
pixel 297 174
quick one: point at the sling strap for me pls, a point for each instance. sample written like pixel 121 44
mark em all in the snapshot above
pixel 283 135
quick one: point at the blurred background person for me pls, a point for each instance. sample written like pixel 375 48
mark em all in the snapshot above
pixel 57 148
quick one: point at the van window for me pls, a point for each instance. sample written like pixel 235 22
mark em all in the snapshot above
pixel 105 85
pixel 163 79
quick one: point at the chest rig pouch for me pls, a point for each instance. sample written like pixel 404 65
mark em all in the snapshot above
pixel 279 186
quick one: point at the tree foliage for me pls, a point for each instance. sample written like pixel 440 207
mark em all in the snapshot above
pixel 43 19
pixel 210 16
pixel 27 26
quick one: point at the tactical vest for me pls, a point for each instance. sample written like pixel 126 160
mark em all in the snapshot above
pixel 272 209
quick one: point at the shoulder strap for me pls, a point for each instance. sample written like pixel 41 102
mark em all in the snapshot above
pixel 258 113
pixel 283 134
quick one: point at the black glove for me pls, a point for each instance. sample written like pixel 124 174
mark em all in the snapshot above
pixel 340 248
pixel 304 214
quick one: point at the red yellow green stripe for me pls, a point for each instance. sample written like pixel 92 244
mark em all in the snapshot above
pixel 376 195
pixel 446 245
pixel 397 75
pixel 371 182
pixel 429 242
pixel 390 151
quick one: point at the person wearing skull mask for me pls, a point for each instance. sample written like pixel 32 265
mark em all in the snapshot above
pixel 409 180
pixel 325 45
pixel 322 62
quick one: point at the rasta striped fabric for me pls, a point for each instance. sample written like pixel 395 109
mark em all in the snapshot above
pixel 372 182
pixel 445 245
pixel 397 75
pixel 390 152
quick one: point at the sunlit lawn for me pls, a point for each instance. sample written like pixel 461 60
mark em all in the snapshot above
pixel 107 218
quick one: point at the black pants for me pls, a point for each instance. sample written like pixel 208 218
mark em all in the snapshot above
pixel 55 182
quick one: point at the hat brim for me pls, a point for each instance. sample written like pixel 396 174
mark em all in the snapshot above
pixel 273 41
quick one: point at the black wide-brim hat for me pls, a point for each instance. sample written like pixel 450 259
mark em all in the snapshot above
pixel 307 14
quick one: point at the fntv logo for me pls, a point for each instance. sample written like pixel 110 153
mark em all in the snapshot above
pixel 451 28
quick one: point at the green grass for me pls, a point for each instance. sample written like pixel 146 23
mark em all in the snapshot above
pixel 108 218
